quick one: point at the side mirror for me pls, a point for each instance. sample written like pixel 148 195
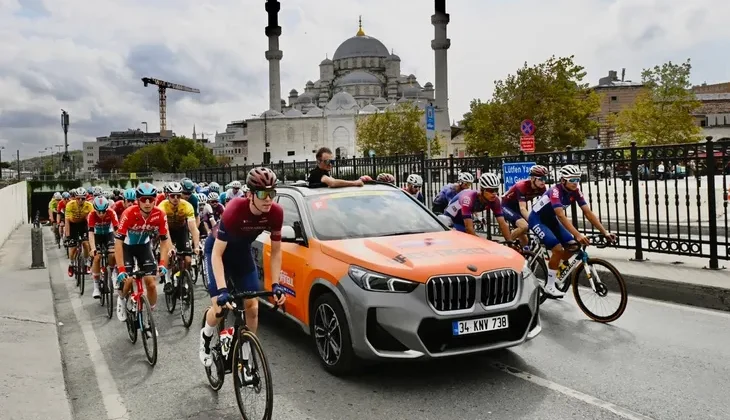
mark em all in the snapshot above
pixel 446 220
pixel 288 234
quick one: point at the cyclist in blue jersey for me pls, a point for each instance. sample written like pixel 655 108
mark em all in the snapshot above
pixel 549 222
pixel 466 203
pixel 449 191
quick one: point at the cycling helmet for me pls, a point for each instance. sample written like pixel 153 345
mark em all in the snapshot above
pixel 213 196
pixel 96 191
pixel 57 196
pixel 187 185
pixel 488 180
pixel 390 179
pixel 130 194
pixel 465 178
pixel 117 192
pixel 108 195
pixel 365 178
pixel 101 203
pixel 174 188
pixel 415 180
pixel 235 184
pixel 65 195
pixel 81 191
pixel 202 198
pixel 538 170
pixel 146 189
pixel 570 171
pixel 260 179
pixel 214 187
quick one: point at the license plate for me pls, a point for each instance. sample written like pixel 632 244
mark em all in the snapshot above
pixel 473 326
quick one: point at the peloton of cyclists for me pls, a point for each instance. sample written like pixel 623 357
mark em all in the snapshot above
pixel 466 203
pixel 449 191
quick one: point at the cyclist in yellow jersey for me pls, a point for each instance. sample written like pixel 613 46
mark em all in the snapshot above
pixel 76 227
pixel 180 221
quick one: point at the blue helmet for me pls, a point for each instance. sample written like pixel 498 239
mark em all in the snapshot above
pixel 101 203
pixel 130 194
pixel 146 189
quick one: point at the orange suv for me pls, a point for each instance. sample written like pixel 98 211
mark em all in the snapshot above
pixel 370 273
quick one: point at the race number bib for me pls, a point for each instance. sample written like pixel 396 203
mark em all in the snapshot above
pixel 453 208
pixel 539 204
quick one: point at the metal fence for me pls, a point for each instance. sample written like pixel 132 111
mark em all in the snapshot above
pixel 681 210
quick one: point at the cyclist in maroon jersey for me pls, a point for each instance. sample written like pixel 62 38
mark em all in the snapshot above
pixel 514 201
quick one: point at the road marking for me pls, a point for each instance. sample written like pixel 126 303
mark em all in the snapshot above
pixel 588 399
pixel 113 402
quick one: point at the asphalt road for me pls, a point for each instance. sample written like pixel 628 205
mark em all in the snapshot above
pixel 659 361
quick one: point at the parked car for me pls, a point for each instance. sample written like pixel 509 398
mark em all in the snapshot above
pixel 372 274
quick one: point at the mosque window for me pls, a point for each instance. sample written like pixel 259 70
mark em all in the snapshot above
pixel 290 153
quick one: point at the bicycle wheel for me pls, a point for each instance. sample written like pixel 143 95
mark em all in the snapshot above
pixel 600 271
pixel 196 269
pixel 131 324
pixel 148 331
pixel 109 289
pixel 81 269
pixel 170 298
pixel 187 298
pixel 257 371
pixel 215 381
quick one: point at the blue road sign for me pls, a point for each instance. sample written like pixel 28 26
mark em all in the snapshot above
pixel 513 172
pixel 527 127
pixel 430 118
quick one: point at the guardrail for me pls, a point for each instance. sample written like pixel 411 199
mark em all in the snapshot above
pixel 681 210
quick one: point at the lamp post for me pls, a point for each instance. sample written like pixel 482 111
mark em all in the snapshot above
pixel 1 161
pixel 146 129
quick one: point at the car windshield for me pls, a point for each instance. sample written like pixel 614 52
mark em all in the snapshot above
pixel 368 213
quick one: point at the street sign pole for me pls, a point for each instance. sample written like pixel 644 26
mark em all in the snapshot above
pixel 430 135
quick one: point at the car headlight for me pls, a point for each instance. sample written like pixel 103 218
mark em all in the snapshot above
pixel 376 282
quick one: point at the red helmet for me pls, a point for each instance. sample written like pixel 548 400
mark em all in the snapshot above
pixel 538 170
pixel 261 179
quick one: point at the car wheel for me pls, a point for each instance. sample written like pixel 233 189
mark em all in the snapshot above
pixel 331 335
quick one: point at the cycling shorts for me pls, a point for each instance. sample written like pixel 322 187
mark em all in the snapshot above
pixel 143 256
pixel 235 280
pixel 79 230
pixel 104 238
pixel 550 232
pixel 181 240
pixel 511 215
pixel 460 228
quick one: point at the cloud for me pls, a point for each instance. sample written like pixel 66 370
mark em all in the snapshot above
pixel 89 60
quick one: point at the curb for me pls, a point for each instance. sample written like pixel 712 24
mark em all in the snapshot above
pixel 702 296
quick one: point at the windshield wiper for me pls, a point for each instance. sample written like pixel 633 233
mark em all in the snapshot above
pixel 403 233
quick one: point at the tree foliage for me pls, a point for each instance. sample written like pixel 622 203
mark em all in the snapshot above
pixel 395 131
pixel 552 94
pixel 662 113
pixel 177 155
pixel 110 164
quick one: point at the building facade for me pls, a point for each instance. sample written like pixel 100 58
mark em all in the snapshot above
pixel 118 144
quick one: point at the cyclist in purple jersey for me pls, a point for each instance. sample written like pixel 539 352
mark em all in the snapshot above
pixel 449 191
pixel 468 202
pixel 514 201
pixel 549 222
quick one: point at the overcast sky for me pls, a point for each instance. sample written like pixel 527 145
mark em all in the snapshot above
pixel 87 56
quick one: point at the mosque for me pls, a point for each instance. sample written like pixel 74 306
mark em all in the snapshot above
pixel 362 78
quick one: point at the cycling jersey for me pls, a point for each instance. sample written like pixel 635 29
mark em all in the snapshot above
pixel 118 208
pixel 53 205
pixel 206 216
pixel 134 229
pixel 218 209
pixel 61 209
pixel 76 213
pixel 102 225
pixel 521 192
pixel 160 198
pixel 418 195
pixel 444 197
pixel 466 203
pixel 557 196
pixel 177 216
pixel 230 195
pixel 193 200
pixel 222 197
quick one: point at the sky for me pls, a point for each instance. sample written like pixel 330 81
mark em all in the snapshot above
pixel 87 56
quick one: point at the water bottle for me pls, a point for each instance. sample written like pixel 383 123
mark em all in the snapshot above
pixel 226 337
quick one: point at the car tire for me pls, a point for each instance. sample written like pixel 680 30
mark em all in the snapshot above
pixel 348 362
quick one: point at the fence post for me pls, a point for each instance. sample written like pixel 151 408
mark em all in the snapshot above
pixel 450 176
pixel 397 168
pixel 711 201
pixel 573 207
pixel 638 246
pixel 372 163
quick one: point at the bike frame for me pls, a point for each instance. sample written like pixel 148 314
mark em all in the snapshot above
pixel 581 253
pixel 137 292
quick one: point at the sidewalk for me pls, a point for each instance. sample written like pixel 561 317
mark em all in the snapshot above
pixel 32 383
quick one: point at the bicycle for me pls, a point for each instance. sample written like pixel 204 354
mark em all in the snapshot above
pixel 139 312
pixel 182 288
pixel 578 262
pixel 198 265
pixel 79 263
pixel 224 360
pixel 106 287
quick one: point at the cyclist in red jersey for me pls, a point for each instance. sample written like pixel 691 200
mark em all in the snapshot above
pixel 128 198
pixel 102 223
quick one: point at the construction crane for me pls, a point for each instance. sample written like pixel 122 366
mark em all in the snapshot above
pixel 162 87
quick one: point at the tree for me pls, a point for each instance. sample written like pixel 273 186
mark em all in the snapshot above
pixel 178 154
pixel 662 113
pixel 223 160
pixel 395 131
pixel 154 157
pixel 189 162
pixel 552 94
pixel 109 164
pixel 4 165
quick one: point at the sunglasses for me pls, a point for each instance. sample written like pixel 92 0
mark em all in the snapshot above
pixel 541 178
pixel 101 211
pixel 573 180
pixel 491 190
pixel 264 194
pixel 328 161
pixel 175 195
pixel 146 200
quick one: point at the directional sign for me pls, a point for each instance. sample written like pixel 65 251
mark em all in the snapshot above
pixel 430 122
pixel 527 144
pixel 514 172
pixel 527 127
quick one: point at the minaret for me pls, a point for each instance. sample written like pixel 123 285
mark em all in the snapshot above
pixel 440 45
pixel 195 136
pixel 274 54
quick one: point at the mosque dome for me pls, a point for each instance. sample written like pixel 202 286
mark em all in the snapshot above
pixel 358 77
pixel 369 109
pixel 361 45
pixel 342 101
pixel 293 113
pixel 271 113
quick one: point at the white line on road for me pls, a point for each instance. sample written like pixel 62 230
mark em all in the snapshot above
pixel 113 403
pixel 588 399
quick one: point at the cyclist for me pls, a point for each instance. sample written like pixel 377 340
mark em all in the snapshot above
pixel 180 221
pixel 228 258
pixel 514 201
pixel 52 211
pixel 449 191
pixel 102 224
pixel 414 182
pixel 549 222
pixel 224 193
pixel 117 194
pixel 214 187
pixel 61 212
pixel 205 212
pixel 77 210
pixel 188 188
pixel 132 244
pixel 235 190
pixel 468 202
pixel 387 178
pixel 127 200
pixel 216 206
pixel 161 196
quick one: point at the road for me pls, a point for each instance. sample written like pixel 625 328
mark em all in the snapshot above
pixel 659 361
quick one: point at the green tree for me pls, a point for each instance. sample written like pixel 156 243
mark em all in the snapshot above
pixel 552 94
pixel 154 157
pixel 4 165
pixel 173 156
pixel 662 113
pixel 189 162
pixel 395 131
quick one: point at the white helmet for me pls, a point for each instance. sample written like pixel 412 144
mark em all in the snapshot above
pixel 488 180
pixel 57 196
pixel 465 178
pixel 415 180
pixel 235 184
pixel 570 171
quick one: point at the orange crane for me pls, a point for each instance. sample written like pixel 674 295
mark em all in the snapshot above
pixel 162 87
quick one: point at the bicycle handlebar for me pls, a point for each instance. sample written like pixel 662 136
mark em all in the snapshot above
pixel 242 296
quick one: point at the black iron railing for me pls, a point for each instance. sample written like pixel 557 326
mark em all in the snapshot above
pixel 670 199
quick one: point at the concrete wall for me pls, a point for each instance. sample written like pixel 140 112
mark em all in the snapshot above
pixel 14 199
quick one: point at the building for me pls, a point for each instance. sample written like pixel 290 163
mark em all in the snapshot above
pixel 714 114
pixel 118 144
pixel 232 145
pixel 616 94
